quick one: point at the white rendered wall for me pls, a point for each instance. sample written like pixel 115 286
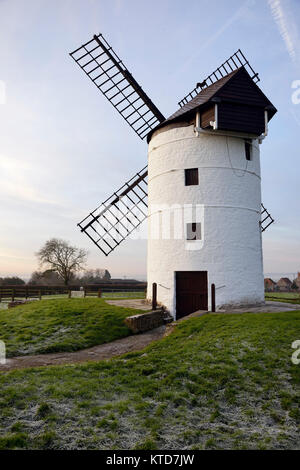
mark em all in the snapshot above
pixel 230 192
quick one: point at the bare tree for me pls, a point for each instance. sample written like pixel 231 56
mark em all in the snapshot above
pixel 63 258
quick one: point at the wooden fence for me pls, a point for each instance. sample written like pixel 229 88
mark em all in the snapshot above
pixel 11 293
pixel 14 293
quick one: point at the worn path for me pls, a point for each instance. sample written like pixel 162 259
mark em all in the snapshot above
pixel 96 353
pixel 139 304
pixel 128 344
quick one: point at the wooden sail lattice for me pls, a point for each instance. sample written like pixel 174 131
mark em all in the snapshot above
pixel 234 62
pixel 266 219
pixel 107 71
pixel 124 211
pixel 117 217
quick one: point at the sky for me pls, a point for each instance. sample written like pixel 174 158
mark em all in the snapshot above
pixel 64 149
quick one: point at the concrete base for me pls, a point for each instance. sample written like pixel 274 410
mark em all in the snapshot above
pixel 241 306
pixel 267 307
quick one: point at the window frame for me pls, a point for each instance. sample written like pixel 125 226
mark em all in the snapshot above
pixel 191 175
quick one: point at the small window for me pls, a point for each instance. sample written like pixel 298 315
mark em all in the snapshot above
pixel 193 231
pixel 191 177
pixel 248 150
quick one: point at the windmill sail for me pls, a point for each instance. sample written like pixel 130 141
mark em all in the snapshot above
pixel 107 71
pixel 117 217
pixel 234 62
pixel 266 219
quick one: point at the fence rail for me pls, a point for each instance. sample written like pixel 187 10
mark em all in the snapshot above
pixel 100 290
pixel 19 293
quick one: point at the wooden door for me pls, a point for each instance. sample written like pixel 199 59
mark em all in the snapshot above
pixel 191 292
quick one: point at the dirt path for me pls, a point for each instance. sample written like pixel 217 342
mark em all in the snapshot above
pixel 96 353
pixel 128 344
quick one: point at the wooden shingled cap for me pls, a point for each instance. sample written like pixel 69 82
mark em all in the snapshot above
pixel 216 90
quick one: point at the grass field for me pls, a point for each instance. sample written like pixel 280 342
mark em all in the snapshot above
pixel 217 382
pixel 290 297
pixel 61 325
pixel 106 295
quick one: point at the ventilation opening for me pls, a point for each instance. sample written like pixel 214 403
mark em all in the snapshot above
pixel 193 231
pixel 248 150
pixel 191 177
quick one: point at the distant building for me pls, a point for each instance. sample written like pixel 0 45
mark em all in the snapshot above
pixel 297 281
pixel 270 285
pixel 284 284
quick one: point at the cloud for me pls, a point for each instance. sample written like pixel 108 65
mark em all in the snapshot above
pixel 242 10
pixel 286 26
pixel 8 256
pixel 15 181
pixel 118 7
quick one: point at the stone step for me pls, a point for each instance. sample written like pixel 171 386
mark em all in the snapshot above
pixel 146 321
pixel 168 319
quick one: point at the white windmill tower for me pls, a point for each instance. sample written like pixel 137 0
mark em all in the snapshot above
pixel 204 186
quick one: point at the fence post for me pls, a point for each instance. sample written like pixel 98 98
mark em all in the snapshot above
pixel 26 292
pixel 154 296
pixel 69 293
pixel 12 295
pixel 99 293
pixel 40 295
pixel 213 298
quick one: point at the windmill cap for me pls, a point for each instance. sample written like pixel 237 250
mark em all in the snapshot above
pixel 210 95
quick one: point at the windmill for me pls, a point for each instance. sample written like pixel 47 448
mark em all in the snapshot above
pixel 205 155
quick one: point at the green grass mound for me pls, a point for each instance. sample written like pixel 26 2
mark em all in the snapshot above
pixel 61 325
pixel 217 382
